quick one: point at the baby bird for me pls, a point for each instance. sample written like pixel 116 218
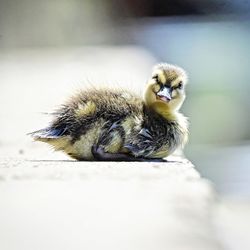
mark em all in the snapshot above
pixel 116 125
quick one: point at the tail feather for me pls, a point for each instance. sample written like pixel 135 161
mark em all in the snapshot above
pixel 57 138
pixel 48 133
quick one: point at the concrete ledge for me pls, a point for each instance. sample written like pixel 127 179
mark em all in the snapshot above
pixel 90 205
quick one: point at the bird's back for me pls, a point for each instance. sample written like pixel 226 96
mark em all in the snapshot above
pixel 81 122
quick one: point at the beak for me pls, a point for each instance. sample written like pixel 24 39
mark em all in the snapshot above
pixel 165 94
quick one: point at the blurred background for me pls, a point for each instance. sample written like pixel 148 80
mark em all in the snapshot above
pixel 50 48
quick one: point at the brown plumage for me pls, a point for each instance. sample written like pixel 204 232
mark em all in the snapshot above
pixel 105 124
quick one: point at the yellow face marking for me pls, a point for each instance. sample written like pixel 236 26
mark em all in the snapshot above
pixel 149 92
pixel 156 88
pixel 85 109
pixel 174 93
pixel 161 75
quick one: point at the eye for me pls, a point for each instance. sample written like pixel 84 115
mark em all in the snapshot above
pixel 180 85
pixel 158 81
pixel 156 78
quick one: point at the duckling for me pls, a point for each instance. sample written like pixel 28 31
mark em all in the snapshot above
pixel 117 125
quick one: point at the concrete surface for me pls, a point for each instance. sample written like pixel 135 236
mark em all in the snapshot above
pixel 63 204
pixel 51 202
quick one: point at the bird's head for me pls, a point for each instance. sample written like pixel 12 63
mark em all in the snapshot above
pixel 166 87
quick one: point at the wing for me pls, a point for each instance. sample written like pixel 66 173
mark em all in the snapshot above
pixel 143 145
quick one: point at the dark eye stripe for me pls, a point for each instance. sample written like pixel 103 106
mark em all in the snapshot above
pixel 155 77
pixel 179 86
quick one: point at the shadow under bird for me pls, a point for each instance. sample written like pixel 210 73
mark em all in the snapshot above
pixel 116 125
